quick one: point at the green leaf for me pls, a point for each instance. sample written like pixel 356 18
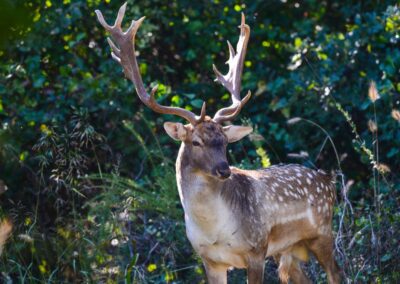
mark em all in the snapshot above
pixel 176 100
pixel 197 103
pixel 297 42
pixel 386 257
pixel 392 152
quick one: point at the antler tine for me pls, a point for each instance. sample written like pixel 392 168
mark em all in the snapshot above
pixel 124 53
pixel 120 15
pixel 232 80
pixel 229 117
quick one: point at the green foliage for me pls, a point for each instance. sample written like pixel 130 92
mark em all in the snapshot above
pixel 90 175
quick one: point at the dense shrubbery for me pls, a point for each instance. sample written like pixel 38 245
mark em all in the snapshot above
pixel 90 173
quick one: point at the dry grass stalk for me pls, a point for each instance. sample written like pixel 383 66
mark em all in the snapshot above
pixel 396 114
pixel 26 238
pixel 382 168
pixel 373 92
pixel 5 230
pixel 372 127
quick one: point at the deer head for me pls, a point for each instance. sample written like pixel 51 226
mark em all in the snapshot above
pixel 204 138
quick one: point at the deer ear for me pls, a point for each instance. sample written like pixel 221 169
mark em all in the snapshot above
pixel 175 130
pixel 235 133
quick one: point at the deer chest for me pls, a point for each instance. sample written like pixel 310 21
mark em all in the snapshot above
pixel 214 232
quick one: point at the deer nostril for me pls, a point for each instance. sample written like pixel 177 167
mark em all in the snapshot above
pixel 223 170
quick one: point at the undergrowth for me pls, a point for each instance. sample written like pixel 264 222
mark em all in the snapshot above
pixel 131 230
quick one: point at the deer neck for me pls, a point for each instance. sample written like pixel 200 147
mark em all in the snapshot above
pixel 193 186
pixel 215 210
pixel 208 217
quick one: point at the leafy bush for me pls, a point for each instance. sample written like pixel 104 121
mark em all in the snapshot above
pixel 89 171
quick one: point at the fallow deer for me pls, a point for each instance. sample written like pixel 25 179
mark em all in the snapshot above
pixel 234 217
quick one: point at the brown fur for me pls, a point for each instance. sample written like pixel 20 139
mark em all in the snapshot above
pixel 237 192
pixel 283 211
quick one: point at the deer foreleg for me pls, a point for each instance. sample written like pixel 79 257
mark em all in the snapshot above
pixel 255 270
pixel 216 274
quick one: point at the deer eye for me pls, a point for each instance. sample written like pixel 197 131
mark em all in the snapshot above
pixel 195 143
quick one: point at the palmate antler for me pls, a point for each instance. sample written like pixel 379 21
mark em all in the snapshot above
pixel 232 80
pixel 124 54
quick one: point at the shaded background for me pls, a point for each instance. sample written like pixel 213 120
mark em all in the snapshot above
pixel 87 173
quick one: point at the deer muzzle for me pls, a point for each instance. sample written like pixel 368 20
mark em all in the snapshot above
pixel 222 170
